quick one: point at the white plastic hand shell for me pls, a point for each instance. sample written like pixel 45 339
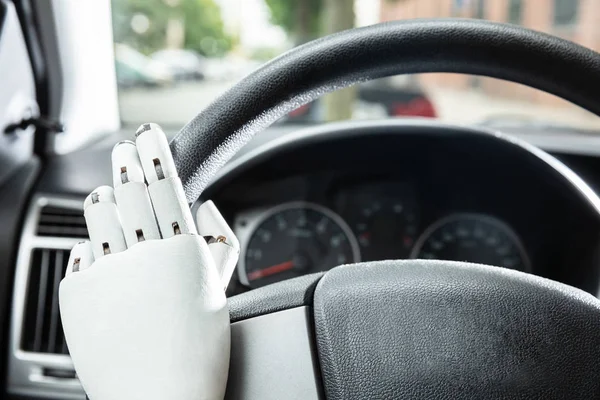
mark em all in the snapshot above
pixel 142 304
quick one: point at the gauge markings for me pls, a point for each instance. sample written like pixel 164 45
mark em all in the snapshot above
pixel 385 227
pixel 474 238
pixel 295 239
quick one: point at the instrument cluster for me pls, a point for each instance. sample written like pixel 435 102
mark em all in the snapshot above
pixel 367 222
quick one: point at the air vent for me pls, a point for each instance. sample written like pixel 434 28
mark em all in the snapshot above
pixel 38 361
pixel 42 328
pixel 61 222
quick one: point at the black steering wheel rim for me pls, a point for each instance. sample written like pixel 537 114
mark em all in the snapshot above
pixel 501 51
pixel 414 328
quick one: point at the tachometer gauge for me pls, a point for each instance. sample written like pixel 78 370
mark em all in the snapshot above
pixel 385 228
pixel 473 238
pixel 295 239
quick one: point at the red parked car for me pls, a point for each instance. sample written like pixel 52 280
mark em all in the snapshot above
pixel 396 96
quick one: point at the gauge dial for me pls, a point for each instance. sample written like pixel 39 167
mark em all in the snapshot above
pixel 385 229
pixel 473 238
pixel 296 239
pixel 384 217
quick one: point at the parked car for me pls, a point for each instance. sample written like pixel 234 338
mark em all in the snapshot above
pixel 135 69
pixel 396 96
pixel 228 68
pixel 183 64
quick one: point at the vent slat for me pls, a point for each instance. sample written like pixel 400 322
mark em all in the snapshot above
pixel 43 284
pixel 42 326
pixel 60 210
pixel 61 222
pixel 58 267
pixel 61 231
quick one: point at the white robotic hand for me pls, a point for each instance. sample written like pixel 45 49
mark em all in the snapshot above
pixel 143 304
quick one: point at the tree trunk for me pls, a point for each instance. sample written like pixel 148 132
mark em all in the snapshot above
pixel 175 35
pixel 303 17
pixel 339 15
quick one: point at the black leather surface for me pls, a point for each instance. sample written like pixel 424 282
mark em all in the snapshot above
pixel 277 297
pixel 465 46
pixel 443 330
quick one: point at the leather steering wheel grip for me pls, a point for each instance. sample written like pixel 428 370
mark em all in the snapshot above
pixel 302 74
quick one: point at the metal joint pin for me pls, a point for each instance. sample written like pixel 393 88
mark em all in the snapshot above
pixel 176 228
pixel 218 239
pixel 159 170
pixel 140 235
pixel 95 198
pixel 124 177
pixel 106 248
pixel 142 129
pixel 76 263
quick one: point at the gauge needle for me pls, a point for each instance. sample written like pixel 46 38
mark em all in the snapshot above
pixel 275 269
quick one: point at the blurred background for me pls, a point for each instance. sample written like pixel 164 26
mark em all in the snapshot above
pixel 173 57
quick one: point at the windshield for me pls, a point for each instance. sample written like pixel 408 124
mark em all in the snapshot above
pixel 173 57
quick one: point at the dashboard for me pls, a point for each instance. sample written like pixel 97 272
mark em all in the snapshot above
pixel 307 201
pixel 367 221
pixel 303 201
pixel 375 192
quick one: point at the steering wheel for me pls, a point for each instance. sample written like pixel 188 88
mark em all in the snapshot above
pixel 411 328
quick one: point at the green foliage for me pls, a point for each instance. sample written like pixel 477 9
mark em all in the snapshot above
pixel 299 18
pixel 124 10
pixel 203 26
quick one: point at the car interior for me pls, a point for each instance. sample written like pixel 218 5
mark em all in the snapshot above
pixel 362 240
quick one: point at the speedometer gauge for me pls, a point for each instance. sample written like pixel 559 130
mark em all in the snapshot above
pixel 473 238
pixel 296 239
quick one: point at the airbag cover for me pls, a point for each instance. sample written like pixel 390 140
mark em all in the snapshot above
pixel 446 330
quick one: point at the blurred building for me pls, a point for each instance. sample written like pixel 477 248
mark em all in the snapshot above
pixel 576 20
